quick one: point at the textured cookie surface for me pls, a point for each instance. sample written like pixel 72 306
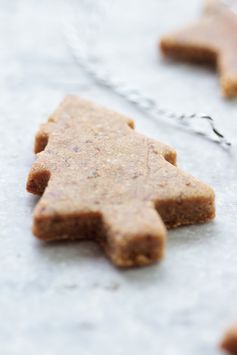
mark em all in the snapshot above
pixel 212 39
pixel 229 343
pixel 102 180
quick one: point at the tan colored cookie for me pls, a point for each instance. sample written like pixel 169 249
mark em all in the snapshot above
pixel 229 342
pixel 101 180
pixel 212 39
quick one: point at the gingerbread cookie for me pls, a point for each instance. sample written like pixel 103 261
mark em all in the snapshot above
pixel 101 180
pixel 229 342
pixel 212 39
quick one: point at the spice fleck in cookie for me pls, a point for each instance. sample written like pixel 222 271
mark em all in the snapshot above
pixel 103 181
pixel 212 39
pixel 229 342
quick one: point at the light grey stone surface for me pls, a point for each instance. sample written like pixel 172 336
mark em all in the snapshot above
pixel 67 298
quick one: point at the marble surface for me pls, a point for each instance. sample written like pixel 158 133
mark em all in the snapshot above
pixel 67 298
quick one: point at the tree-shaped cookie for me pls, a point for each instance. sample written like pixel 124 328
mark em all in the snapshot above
pixel 103 181
pixel 212 39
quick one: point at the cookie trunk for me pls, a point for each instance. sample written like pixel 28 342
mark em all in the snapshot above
pixel 140 250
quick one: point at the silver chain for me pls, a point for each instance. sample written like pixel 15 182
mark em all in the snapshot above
pixel 80 44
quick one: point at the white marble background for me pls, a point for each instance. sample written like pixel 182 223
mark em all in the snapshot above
pixel 67 298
